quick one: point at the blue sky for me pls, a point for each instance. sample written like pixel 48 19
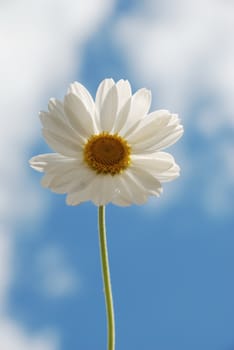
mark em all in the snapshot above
pixel 171 259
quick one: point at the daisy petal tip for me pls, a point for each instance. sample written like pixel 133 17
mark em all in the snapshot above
pixel 71 87
pixel 177 168
pixel 122 82
pixel 108 80
pixel 105 85
pixel 51 103
pixel 72 199
pixel 181 128
pixel 36 164
pixel 174 172
pixel 73 84
pixel 146 93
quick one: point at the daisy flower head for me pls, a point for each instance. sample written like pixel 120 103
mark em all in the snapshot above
pixel 108 149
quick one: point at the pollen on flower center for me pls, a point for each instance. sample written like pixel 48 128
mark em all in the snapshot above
pixel 107 154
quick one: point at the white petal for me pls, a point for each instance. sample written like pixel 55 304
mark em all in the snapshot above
pixel 100 190
pixel 122 202
pixel 56 109
pixel 83 192
pixel 140 105
pixel 55 106
pixel 43 161
pixel 60 127
pixel 169 139
pixel 163 139
pixel 62 174
pixel 128 190
pixel 79 116
pixel 54 173
pixel 80 91
pixel 122 116
pixel 108 109
pixel 157 162
pixel 119 191
pixel 70 180
pixel 148 183
pixel 61 144
pixel 102 92
pixel 57 181
pixel 155 133
pixel 149 126
pixel 170 174
pixel 160 164
pixel 85 178
pixel 77 197
pixel 124 92
pixel 38 163
pixel 103 189
pixel 124 104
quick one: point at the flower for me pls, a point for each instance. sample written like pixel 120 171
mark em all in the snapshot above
pixel 110 149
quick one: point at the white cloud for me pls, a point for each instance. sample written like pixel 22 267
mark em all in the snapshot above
pixel 187 46
pixel 41 44
pixel 184 51
pixel 5 265
pixel 13 337
pixel 56 277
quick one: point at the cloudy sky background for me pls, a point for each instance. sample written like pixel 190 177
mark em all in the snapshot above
pixel 172 259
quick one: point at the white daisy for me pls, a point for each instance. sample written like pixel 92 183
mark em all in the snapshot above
pixel 110 149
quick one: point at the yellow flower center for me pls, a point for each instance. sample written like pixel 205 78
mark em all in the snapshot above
pixel 107 154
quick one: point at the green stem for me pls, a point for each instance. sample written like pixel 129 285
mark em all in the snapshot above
pixel 106 278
